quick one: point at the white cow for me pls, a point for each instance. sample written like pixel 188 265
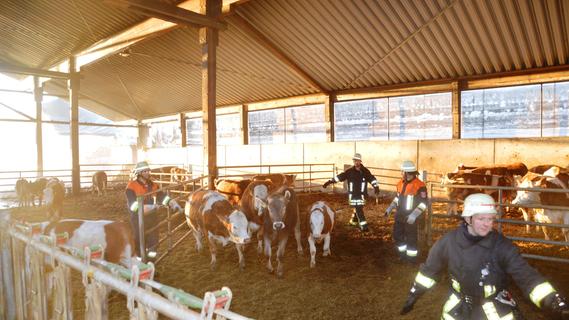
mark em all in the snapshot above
pixel 321 221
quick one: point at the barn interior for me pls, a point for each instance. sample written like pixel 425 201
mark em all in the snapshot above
pixel 230 87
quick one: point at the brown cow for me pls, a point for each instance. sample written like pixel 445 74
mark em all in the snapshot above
pixel 23 192
pixel 512 169
pixel 232 189
pixel 281 218
pixel 464 178
pixel 36 189
pixel 99 183
pixel 278 179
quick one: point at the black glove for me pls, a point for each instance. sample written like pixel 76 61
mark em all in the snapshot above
pixel 557 306
pixel 376 190
pixel 326 184
pixel 414 294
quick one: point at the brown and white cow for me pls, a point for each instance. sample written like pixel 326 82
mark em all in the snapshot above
pixel 464 178
pixel 512 169
pixel 115 236
pixel 209 213
pixel 99 180
pixel 541 169
pixel 551 179
pixel 23 192
pixel 321 222
pixel 278 179
pixel 54 193
pixel 36 189
pixel 232 189
pixel 254 203
pixel 281 218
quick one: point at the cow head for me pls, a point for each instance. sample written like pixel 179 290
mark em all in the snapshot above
pixel 278 202
pixel 524 197
pixel 316 223
pixel 260 195
pixel 236 223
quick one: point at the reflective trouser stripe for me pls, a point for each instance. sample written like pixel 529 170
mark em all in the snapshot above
pixel 412 253
pixel 452 302
pixel 363 223
pixel 492 314
pixel 455 285
pixel 402 248
pixel 489 290
pixel 539 292
pixel 424 280
pixel 409 204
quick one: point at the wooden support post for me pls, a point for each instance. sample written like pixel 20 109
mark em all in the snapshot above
pixel 74 126
pixel 457 87
pixel 38 97
pixel 183 129
pixel 329 116
pixel 208 38
pixel 245 123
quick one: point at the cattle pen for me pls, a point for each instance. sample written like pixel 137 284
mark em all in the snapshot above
pixel 129 125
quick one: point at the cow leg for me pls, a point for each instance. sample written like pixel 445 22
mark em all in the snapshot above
pixel 326 245
pixel 268 254
pixel 312 251
pixel 525 213
pixel 213 251
pixel 239 248
pixel 280 255
pixel 198 237
pixel 297 237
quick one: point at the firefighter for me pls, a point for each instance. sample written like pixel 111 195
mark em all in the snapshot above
pixel 138 186
pixel 479 261
pixel 410 202
pixel 358 177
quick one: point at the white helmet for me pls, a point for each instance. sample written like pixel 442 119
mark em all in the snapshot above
pixel 357 156
pixel 479 203
pixel 408 166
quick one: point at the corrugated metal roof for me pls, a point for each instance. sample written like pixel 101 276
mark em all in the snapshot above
pixel 339 44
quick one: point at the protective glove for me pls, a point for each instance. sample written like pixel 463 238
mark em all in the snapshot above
pixel 413 216
pixel 376 190
pixel 389 209
pixel 327 183
pixel 557 306
pixel 414 294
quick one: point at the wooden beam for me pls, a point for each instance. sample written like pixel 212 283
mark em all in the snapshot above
pixel 256 35
pixel 7 68
pixel 329 117
pixel 245 123
pixel 38 97
pixel 183 129
pixel 457 88
pixel 317 98
pixel 170 13
pixel 74 129
pixel 209 38
pixel 17 111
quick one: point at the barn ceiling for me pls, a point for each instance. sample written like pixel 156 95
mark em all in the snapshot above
pixel 274 49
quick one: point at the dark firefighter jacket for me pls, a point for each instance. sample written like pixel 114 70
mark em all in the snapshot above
pixel 357 184
pixel 479 270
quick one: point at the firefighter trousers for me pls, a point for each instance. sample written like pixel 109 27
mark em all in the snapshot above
pixel 405 237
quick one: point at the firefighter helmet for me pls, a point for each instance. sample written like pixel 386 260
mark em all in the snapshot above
pixel 141 166
pixel 408 166
pixel 479 203
pixel 357 156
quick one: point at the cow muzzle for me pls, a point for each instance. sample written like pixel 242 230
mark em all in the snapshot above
pixel 278 225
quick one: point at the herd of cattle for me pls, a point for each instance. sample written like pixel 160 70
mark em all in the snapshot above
pixel 266 206
pixel 552 179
